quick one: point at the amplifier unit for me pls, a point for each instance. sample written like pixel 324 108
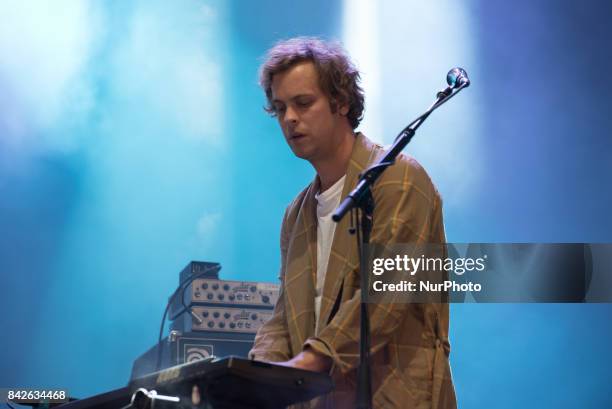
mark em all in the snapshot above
pixel 180 348
pixel 222 319
pixel 230 319
pixel 245 293
pixel 207 269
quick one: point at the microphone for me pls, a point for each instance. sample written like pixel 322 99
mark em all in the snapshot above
pixel 456 77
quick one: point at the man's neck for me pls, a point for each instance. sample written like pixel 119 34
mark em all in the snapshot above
pixel 332 169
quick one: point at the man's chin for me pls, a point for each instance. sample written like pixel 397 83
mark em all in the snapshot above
pixel 302 153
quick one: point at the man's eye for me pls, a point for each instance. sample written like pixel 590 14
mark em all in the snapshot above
pixel 304 103
pixel 279 109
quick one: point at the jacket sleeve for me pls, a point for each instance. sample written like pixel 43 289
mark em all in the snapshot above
pixel 272 340
pixel 408 210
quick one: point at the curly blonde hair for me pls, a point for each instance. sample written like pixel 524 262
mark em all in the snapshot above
pixel 338 77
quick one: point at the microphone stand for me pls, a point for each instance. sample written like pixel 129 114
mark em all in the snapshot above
pixel 361 201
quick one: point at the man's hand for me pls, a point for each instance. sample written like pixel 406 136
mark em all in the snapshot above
pixel 309 360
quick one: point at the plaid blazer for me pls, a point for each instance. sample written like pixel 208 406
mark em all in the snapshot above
pixel 410 347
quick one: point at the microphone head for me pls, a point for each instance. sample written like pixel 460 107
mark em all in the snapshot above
pixel 457 77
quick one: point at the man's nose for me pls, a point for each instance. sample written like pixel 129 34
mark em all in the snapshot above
pixel 290 117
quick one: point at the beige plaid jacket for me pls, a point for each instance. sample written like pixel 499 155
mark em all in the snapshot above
pixel 410 347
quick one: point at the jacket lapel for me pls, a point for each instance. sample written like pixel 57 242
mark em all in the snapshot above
pixel 343 257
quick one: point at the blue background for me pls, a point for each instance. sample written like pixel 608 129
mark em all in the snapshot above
pixel 132 140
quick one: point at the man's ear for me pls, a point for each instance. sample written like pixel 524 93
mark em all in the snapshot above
pixel 340 107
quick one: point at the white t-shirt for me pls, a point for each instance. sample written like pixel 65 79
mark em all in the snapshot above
pixel 327 202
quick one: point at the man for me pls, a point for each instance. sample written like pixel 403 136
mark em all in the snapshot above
pixel 312 88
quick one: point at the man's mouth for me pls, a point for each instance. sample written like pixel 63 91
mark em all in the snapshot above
pixel 297 135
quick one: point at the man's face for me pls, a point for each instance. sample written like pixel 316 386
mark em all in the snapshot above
pixel 312 131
